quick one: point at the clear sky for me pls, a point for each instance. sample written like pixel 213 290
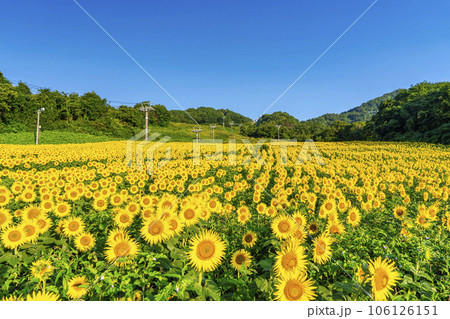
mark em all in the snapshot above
pixel 231 54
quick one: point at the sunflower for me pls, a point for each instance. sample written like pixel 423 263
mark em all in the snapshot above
pixel 299 235
pixel 322 248
pixel 282 227
pixel 133 209
pixel 13 237
pixel 123 219
pixel 295 287
pixel 422 220
pixel 75 289
pixel 43 296
pixel 383 277
pixel 155 230
pixel 243 218
pixel 73 226
pixel 168 203
pixel 5 218
pixel 354 216
pixel 241 258
pixel 28 196
pixel 329 206
pixel 33 212
pixel 47 205
pixel 206 251
pixel 62 209
pixel 43 224
pixel 313 228
pixel 291 259
pixel 249 239
pixel 400 212
pixel 116 200
pixel 175 225
pixel 84 241
pixel 31 230
pixel 300 219
pixel 124 249
pixel 100 204
pixel 41 269
pixel 335 227
pixel 189 214
pixel 214 205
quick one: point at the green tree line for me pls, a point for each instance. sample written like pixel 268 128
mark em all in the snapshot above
pixel 87 113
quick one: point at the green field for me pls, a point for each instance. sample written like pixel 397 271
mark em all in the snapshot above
pixel 179 132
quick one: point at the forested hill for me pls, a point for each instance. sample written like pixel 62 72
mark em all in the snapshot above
pixel 360 113
pixel 421 113
pixel 207 115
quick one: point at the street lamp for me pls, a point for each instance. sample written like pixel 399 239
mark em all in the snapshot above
pixel 197 133
pixel 213 126
pixel 38 127
pixel 278 128
pixel 145 109
pixel 231 125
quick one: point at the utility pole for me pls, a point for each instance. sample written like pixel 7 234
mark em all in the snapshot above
pixel 38 127
pixel 223 123
pixel 197 133
pixel 147 107
pixel 278 128
pixel 231 125
pixel 213 126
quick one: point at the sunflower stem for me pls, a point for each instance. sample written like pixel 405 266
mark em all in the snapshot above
pixel 200 278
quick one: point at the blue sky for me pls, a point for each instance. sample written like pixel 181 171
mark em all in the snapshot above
pixel 231 54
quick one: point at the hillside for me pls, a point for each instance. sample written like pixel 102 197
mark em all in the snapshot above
pixel 361 113
pixel 207 115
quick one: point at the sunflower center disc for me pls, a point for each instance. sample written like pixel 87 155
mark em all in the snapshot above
pixel 173 224
pixel 85 241
pixel 289 261
pixel 248 238
pixel 156 228
pixel 283 226
pixel 381 279
pixel 189 214
pixel 205 250
pixel 352 216
pixel 293 290
pixel 14 236
pixel 121 249
pixel 124 218
pixel 2 218
pixel 240 259
pixel 321 246
pixel 73 226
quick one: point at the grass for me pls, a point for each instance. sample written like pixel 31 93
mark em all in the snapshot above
pixel 52 137
pixel 178 132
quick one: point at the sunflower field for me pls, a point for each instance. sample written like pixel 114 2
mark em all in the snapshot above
pixel 82 222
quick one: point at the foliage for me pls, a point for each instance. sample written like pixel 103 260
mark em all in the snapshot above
pixel 207 115
pixel 421 113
